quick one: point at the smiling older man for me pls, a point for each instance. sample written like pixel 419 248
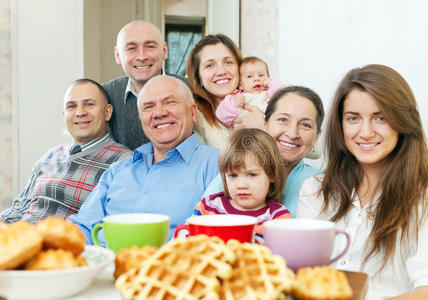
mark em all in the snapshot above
pixel 167 175
pixel 65 175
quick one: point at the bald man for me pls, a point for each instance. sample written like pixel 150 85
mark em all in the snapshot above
pixel 167 175
pixel 65 175
pixel 140 50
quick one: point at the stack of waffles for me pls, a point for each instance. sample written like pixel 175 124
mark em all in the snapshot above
pixel 201 267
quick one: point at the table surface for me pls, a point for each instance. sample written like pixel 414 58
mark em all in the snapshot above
pixel 103 286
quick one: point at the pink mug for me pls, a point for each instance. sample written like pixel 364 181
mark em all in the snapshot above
pixel 303 242
pixel 226 227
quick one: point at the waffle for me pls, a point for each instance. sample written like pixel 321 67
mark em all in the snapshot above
pixel 183 269
pixel 60 234
pixel 127 259
pixel 53 259
pixel 257 275
pixel 19 242
pixel 321 283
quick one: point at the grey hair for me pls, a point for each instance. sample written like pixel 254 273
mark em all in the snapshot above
pixel 182 89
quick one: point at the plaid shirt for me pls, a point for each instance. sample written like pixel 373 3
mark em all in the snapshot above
pixel 60 181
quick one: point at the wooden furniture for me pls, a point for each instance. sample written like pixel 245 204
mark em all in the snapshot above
pixel 358 282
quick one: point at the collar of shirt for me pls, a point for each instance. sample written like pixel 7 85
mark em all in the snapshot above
pixel 185 150
pixel 131 89
pixel 370 207
pixel 92 143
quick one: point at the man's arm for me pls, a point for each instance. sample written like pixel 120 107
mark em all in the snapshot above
pixel 93 210
pixel 22 203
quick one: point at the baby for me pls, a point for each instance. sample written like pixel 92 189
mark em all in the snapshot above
pixel 253 177
pixel 255 88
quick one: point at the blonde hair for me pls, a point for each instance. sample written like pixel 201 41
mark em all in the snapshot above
pixel 260 145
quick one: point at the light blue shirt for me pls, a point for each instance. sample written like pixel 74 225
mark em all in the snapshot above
pixel 299 174
pixel 172 186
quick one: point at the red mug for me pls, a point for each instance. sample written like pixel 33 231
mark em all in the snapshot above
pixel 226 227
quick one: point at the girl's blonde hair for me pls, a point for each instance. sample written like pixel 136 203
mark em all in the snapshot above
pixel 261 146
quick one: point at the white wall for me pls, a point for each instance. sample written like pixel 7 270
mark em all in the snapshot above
pixel 319 41
pixel 223 17
pixel 102 21
pixel 47 55
pixel 187 8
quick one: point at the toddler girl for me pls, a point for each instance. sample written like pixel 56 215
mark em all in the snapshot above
pixel 255 88
pixel 253 176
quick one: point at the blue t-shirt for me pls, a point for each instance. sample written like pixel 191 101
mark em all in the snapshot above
pixel 299 174
pixel 172 186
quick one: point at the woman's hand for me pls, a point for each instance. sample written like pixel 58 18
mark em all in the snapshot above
pixel 255 119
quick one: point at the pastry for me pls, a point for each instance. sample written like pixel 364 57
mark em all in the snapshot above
pixel 19 242
pixel 127 259
pixel 53 259
pixel 257 274
pixel 58 233
pixel 184 268
pixel 321 283
pixel 3 226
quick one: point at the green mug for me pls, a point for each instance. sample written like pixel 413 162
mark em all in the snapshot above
pixel 127 230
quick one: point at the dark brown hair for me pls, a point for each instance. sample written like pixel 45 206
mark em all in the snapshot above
pixel 90 81
pixel 253 60
pixel 404 179
pixel 257 144
pixel 204 100
pixel 302 92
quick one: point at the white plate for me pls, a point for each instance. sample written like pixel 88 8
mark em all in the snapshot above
pixel 55 284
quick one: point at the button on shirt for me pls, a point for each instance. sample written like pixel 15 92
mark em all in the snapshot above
pixel 399 275
pixel 172 186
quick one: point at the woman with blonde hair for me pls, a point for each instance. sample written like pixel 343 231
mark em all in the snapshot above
pixel 375 185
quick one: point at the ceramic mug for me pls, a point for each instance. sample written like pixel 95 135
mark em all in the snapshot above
pixel 127 230
pixel 303 242
pixel 226 227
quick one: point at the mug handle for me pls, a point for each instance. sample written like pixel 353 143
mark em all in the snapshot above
pixel 348 241
pixel 94 233
pixel 179 228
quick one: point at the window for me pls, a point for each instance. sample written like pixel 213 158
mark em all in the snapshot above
pixel 181 38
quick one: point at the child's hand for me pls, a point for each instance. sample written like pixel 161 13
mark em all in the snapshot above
pixel 239 99
pixel 255 119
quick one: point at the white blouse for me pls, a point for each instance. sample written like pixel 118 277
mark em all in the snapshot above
pixel 403 275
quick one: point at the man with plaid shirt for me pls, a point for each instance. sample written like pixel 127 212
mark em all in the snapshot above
pixel 65 175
